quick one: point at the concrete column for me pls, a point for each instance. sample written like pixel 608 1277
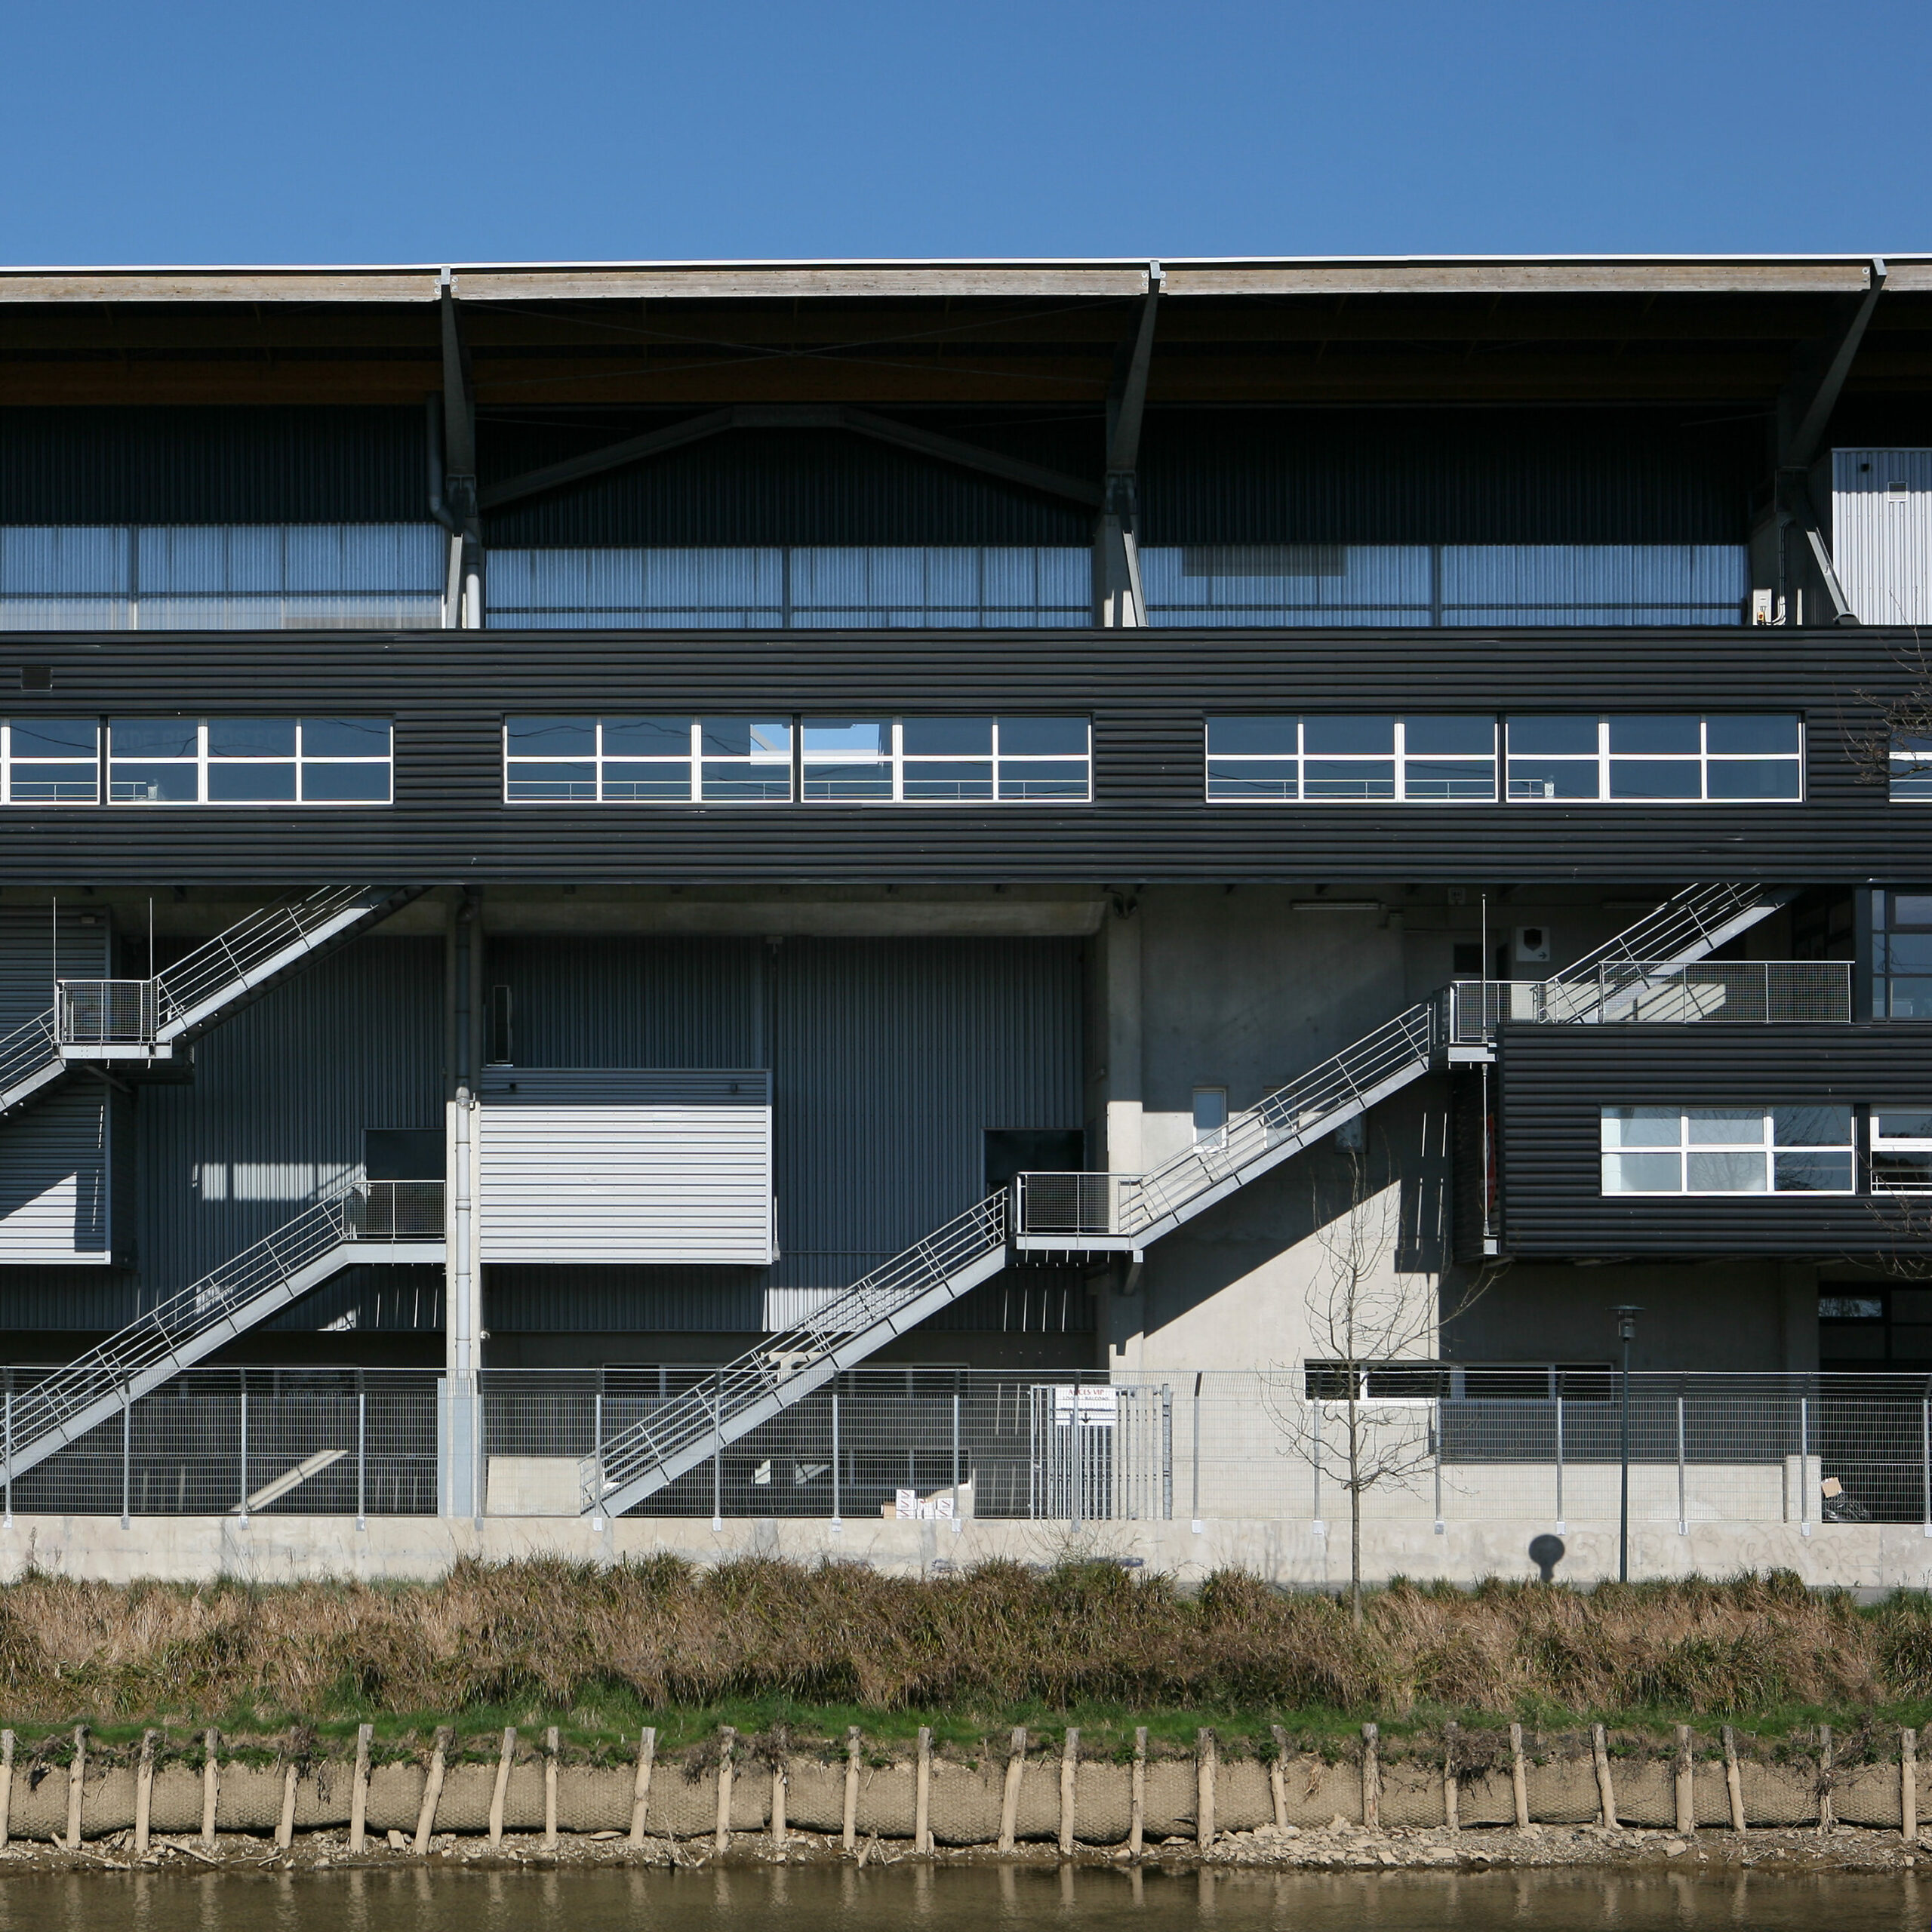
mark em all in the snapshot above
pixel 461 1491
pixel 1797 1287
pixel 1120 968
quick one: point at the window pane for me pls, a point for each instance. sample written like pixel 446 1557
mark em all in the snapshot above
pixel 1043 779
pixel 551 737
pixel 1911 908
pixel 251 784
pixel 345 784
pixel 1553 778
pixel 1850 1308
pixel 1907 952
pixel 54 784
pixel 844 737
pixel 1909 999
pixel 1811 1126
pixel 1726 1127
pixel 747 784
pixel 1813 1173
pixel 152 784
pixel 151 737
pixel 1344 737
pixel 1448 778
pixel 647 737
pixel 823 782
pixel 1893 1169
pixel 1753 778
pixel 1641 1127
pixel 1553 737
pixel 251 737
pixel 941 738
pixel 1345 778
pixel 1768 735
pixel 1232 736
pixel 958 779
pixel 576 784
pixel 1649 778
pixel 1893 1125
pixel 669 781
pixel 761 738
pixel 1910 782
pixel 56 737
pixel 1043 737
pixel 1641 1173
pixel 1655 733
pixel 1443 736
pixel 1724 1173
pixel 1253 778
pixel 345 737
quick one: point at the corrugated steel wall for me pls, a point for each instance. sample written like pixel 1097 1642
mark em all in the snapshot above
pixel 55 1196
pixel 213 465
pixel 28 957
pixel 1881 532
pixel 621 1165
pixel 1554 1081
pixel 1489 476
pixel 584 1299
pixel 281 1093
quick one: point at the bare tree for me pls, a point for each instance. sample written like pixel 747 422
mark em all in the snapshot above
pixel 1365 1317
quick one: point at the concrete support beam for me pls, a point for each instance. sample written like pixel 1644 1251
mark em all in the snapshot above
pixel 463 596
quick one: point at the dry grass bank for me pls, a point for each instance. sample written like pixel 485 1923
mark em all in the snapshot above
pixel 659 1634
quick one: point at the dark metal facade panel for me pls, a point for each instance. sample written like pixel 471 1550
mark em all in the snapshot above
pixel 1451 476
pixel 213 465
pixel 786 486
pixel 1147 693
pixel 1554 1082
pixel 580 1298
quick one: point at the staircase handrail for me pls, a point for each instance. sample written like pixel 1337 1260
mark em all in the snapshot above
pixel 27 1049
pixel 703 1410
pixel 264 1265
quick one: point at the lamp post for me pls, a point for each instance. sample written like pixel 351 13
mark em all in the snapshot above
pixel 1626 1330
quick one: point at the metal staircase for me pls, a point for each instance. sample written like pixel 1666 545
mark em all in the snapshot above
pixel 148 1019
pixel 1083 1212
pixel 390 1222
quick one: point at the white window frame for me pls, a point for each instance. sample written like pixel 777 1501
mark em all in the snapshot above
pixel 300 759
pixel 1911 769
pixel 999 761
pixel 1766 1146
pixel 1604 760
pixel 1901 1143
pixel 694 762
pixel 1399 758
pixel 8 758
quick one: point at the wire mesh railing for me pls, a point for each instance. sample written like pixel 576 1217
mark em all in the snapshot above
pixel 1756 992
pixel 1538 1445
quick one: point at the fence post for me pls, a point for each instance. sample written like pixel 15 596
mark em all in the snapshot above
pixel 957 1525
pixel 1197 1524
pixel 10 1459
pixel 837 1521
pixel 1320 1528
pixel 362 1452
pixel 1167 1455
pixel 1556 1398
pixel 1924 1453
pixel 127 1449
pixel 718 1451
pixel 1803 1466
pixel 1683 1519
pixel 242 1374
pixel 1439 1528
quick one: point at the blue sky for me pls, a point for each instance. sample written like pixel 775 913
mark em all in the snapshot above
pixel 580 129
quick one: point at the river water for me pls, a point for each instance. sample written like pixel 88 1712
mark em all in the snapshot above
pixel 958 1899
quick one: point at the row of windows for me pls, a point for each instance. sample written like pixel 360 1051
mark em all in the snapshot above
pixel 197 761
pixel 1330 758
pixel 1762 1150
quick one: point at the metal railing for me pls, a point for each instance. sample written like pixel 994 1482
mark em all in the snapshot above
pixel 1756 992
pixel 365 1211
pixel 787 1366
pixel 1536 1445
pixel 28 1050
pixel 1126 1204
pixel 101 1012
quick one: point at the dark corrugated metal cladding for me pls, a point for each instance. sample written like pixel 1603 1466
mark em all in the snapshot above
pixel 213 465
pixel 1450 476
pixel 786 486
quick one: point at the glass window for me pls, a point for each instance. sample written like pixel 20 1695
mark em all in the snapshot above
pixel 1911 766
pixel 1901 1150
pixel 50 761
pixel 1658 756
pixel 845 759
pixel 1728 1150
pixel 249 761
pixel 656 759
pixel 1321 759
pixel 945 761
pixel 1902 955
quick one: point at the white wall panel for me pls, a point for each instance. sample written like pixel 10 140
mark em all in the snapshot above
pixel 1881 532
pixel 626 1164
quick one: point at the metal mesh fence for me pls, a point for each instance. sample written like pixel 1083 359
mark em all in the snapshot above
pixel 1536 1443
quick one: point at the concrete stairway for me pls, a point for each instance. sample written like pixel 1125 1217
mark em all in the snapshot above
pixel 148 1019
pixel 390 1222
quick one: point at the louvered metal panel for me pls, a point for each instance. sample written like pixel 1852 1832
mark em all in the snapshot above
pixel 1881 532
pixel 282 1093
pixel 32 955
pixel 55 1204
pixel 1555 1080
pixel 616 1165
